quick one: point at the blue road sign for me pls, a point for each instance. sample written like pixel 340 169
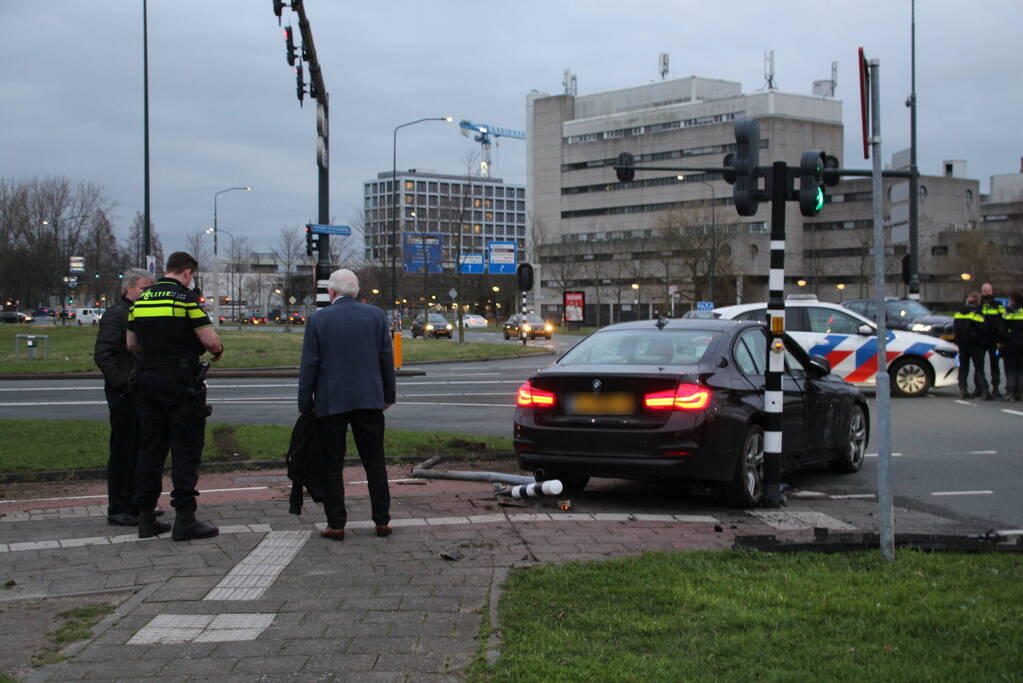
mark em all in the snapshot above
pixel 472 264
pixel 422 252
pixel 321 229
pixel 502 258
pixel 705 305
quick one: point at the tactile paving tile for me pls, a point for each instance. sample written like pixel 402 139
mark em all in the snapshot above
pixel 790 520
pixel 248 579
pixel 201 628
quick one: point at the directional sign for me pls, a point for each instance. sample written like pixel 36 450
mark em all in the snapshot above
pixel 453 293
pixel 502 258
pixel 77 264
pixel 321 229
pixel 292 300
pixel 471 264
pixel 422 252
pixel 705 305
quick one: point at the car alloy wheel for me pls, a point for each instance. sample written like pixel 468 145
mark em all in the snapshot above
pixel 856 445
pixel 747 486
pixel 910 378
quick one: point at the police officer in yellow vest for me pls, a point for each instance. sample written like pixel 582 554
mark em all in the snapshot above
pixel 1012 347
pixel 992 311
pixel 968 324
pixel 170 330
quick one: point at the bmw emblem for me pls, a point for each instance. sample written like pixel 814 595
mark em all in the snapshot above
pixel 596 385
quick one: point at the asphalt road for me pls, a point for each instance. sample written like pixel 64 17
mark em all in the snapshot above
pixel 957 458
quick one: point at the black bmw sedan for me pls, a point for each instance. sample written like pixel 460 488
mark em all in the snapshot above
pixel 683 400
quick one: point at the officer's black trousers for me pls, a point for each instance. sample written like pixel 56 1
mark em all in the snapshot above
pixel 158 394
pixel 124 428
pixel 991 353
pixel 972 355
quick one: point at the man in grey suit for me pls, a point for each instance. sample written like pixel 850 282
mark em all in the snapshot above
pixel 347 378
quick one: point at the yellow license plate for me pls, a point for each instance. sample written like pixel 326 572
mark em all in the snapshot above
pixel 602 404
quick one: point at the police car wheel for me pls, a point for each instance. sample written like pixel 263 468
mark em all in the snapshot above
pixel 746 489
pixel 855 446
pixel 911 378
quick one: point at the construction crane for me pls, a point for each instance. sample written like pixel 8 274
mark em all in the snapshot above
pixel 482 134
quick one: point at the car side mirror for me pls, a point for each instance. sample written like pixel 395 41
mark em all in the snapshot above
pixel 820 366
pixel 866 329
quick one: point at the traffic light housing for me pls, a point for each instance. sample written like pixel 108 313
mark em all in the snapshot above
pixel 120 276
pixel 300 82
pixel 624 168
pixel 309 241
pixel 746 162
pixel 96 275
pixel 289 42
pixel 811 183
pixel 524 274
pixel 278 8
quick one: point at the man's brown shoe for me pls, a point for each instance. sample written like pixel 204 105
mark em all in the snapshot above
pixel 333 534
pixel 383 531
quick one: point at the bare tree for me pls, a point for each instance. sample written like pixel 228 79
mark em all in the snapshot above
pixel 196 244
pixel 136 243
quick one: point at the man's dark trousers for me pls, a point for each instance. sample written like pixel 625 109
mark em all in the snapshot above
pixel 971 355
pixel 158 394
pixel 124 433
pixel 991 353
pixel 368 430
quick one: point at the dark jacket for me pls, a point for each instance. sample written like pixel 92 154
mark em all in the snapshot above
pixel 347 360
pixel 119 366
pixel 305 456
pixel 968 325
pixel 1012 339
pixel 992 312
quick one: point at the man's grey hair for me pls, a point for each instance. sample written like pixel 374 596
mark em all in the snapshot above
pixel 344 282
pixel 132 277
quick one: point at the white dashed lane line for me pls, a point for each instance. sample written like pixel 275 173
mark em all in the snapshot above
pixel 983 492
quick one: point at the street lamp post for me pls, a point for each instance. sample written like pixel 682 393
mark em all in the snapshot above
pixel 394 200
pixel 231 281
pixel 635 297
pixel 214 230
pixel 712 266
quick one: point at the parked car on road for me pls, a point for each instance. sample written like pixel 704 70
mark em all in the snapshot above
pixel 88 316
pixel 296 318
pixel 66 314
pixel 683 400
pixel 474 321
pixel 436 326
pixel 905 314
pixel 254 318
pixel 916 362
pixel 44 312
pixel 533 325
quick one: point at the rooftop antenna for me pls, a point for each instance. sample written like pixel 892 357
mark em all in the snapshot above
pixel 827 88
pixel 570 83
pixel 769 71
pixel 662 60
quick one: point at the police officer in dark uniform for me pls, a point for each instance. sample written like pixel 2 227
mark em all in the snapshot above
pixel 120 369
pixel 968 324
pixel 993 311
pixel 170 330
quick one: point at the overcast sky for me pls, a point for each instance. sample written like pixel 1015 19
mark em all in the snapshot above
pixel 223 110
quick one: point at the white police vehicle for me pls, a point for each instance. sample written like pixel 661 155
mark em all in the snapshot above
pixel 916 362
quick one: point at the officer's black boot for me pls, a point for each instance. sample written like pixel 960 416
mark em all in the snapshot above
pixel 187 527
pixel 150 526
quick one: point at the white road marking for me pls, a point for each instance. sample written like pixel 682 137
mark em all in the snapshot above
pixel 440 403
pixel 985 492
pixel 1012 412
pixel 874 455
pixel 793 520
pixel 165 493
pixel 201 628
pixel 250 578
pixel 981 452
pixel 850 496
pixel 52 403
pixel 964 403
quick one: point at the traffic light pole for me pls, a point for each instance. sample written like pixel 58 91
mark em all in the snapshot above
pixel 318 91
pixel 773 393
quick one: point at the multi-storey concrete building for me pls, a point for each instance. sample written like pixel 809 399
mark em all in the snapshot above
pixel 478 210
pixel 655 241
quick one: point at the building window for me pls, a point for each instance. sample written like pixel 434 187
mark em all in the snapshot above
pixel 940 250
pixel 758 228
pixel 969 198
pixel 410 185
pixel 921 193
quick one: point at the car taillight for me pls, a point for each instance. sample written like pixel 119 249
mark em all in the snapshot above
pixel 530 396
pixel 685 397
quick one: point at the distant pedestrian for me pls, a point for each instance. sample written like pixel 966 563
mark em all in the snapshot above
pixel 120 368
pixel 1012 347
pixel 170 330
pixel 992 311
pixel 968 325
pixel 347 378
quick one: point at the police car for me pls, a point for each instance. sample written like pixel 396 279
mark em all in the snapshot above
pixel 916 362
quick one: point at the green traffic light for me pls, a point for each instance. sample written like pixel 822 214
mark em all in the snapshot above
pixel 819 204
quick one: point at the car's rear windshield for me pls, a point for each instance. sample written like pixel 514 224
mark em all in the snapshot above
pixel 641 347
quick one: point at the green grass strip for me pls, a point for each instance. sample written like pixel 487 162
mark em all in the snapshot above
pixel 743 616
pixel 47 445
pixel 71 348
